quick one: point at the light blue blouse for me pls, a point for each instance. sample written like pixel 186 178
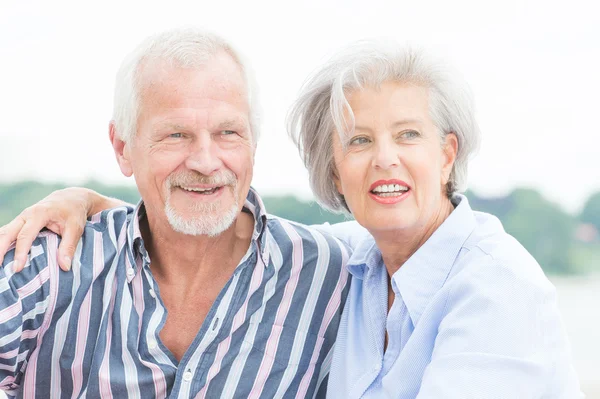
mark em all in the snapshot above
pixel 473 317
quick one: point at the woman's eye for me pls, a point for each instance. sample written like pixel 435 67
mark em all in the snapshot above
pixel 227 132
pixel 359 140
pixel 410 134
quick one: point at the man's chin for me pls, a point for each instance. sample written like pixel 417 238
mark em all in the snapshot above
pixel 201 224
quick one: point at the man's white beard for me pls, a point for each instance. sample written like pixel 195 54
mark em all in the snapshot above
pixel 210 223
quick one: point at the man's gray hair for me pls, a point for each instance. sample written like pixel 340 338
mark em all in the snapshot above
pixel 181 48
pixel 322 104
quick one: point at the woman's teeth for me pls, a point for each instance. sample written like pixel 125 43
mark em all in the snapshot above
pixel 389 190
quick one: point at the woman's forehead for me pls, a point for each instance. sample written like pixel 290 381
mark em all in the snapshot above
pixel 398 104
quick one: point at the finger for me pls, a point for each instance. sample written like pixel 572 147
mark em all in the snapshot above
pixel 8 235
pixel 25 239
pixel 66 250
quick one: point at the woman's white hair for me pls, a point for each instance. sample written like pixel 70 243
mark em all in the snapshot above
pixel 181 48
pixel 322 105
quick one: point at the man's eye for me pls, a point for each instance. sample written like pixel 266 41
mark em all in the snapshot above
pixel 358 140
pixel 176 135
pixel 227 132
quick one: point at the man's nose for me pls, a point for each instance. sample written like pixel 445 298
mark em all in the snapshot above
pixel 204 156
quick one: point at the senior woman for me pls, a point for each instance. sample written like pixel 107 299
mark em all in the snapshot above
pixel 443 303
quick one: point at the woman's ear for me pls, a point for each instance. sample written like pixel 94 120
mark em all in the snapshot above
pixel 336 180
pixel 450 150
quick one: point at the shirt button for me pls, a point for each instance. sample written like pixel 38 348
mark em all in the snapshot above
pixel 130 272
pixel 187 376
pixel 152 344
pixel 152 293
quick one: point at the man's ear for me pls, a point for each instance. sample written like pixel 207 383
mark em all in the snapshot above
pixel 121 149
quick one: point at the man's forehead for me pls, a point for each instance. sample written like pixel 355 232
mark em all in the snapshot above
pixel 219 67
pixel 191 119
pixel 185 85
pixel 188 96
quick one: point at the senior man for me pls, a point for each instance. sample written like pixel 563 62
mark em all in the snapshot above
pixel 196 292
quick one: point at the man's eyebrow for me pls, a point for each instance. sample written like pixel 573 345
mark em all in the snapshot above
pixel 231 123
pixel 170 126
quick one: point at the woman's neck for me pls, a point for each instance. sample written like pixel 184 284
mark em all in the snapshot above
pixel 397 246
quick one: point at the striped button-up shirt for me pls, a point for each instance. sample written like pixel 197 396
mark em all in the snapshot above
pixel 94 332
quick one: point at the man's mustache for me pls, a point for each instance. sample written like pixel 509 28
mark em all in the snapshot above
pixel 224 178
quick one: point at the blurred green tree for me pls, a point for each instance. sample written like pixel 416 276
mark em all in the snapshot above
pixel 540 225
pixel 591 211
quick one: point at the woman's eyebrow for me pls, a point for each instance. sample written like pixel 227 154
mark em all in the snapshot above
pixel 395 124
pixel 406 121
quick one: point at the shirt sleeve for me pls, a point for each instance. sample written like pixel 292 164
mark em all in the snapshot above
pixel 351 233
pixel 501 337
pixel 24 307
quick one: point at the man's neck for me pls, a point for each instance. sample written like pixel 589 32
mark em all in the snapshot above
pixel 191 271
pixel 183 260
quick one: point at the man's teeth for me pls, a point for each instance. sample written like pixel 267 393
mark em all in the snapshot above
pixel 201 190
pixel 389 188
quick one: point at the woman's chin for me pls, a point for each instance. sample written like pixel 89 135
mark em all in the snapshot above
pixel 388 224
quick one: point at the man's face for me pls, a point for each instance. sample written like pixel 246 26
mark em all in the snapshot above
pixel 193 153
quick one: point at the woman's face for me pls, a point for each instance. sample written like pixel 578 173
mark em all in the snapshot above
pixel 394 169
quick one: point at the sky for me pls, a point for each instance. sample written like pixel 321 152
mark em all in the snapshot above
pixel 533 66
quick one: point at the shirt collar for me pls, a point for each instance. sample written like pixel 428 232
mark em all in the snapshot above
pixel 365 257
pixel 137 254
pixel 426 271
pixel 252 205
pixel 255 206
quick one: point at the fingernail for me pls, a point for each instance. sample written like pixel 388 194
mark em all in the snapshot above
pixel 67 262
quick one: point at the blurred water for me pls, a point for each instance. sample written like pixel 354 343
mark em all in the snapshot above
pixel 579 302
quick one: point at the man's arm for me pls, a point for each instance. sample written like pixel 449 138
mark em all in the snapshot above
pixel 64 212
pixel 25 305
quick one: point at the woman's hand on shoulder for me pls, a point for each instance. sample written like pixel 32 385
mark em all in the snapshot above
pixel 64 212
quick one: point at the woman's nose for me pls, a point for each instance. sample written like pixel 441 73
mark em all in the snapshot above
pixel 386 156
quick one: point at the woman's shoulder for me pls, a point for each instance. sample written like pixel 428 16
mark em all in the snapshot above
pixel 491 255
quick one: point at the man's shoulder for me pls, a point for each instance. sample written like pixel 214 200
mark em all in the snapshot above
pixel 43 255
pixel 278 226
pixel 46 240
pixel 290 236
pixel 113 219
pixel 310 257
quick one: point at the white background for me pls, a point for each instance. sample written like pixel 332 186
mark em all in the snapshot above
pixel 534 67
